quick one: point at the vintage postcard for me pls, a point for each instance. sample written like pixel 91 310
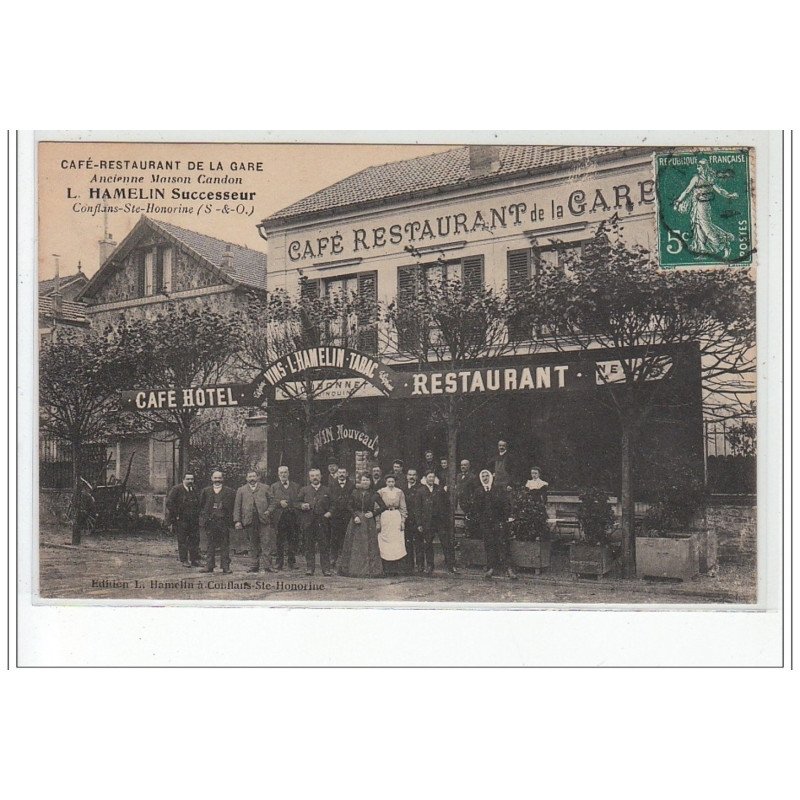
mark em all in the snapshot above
pixel 518 373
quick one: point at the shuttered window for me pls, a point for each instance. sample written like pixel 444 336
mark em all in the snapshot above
pixel 139 257
pixel 354 329
pixel 149 272
pixel 472 273
pixel 309 290
pixel 163 270
pixel 407 288
pixel 367 324
pixel 519 277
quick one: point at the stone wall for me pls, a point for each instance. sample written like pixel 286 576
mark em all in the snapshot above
pixel 733 518
pixel 223 302
pixel 123 282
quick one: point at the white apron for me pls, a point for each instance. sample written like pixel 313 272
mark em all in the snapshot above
pixel 391 539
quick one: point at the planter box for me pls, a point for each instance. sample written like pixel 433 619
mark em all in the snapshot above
pixel 590 559
pixel 531 555
pixel 668 557
pixel 473 553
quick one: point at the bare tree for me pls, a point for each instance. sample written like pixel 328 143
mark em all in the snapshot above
pixel 450 323
pixel 615 296
pixel 78 399
pixel 280 324
pixel 180 347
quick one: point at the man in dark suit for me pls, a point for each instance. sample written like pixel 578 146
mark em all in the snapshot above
pixel 490 510
pixel 315 516
pixel 504 467
pixel 433 521
pixel 333 469
pixel 286 494
pixel 377 479
pixel 414 539
pixel 183 512
pixel 399 477
pixel 428 465
pixel 216 519
pixel 466 484
pixel 341 491
pixel 252 511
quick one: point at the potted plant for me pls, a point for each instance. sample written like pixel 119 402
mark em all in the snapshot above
pixel 530 542
pixel 671 545
pixel 593 555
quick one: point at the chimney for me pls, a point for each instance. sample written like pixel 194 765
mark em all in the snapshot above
pixel 107 246
pixel 56 293
pixel 227 259
pixel 484 159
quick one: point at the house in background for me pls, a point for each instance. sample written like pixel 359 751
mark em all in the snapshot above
pixel 57 305
pixel 158 263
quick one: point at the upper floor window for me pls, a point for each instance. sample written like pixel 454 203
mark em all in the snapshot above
pixel 155 271
pixel 356 326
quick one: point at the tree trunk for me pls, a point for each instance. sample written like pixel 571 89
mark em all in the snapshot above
pixel 184 454
pixel 452 455
pixel 77 505
pixel 308 439
pixel 626 498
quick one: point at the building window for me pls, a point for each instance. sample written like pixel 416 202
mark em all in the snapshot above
pixel 149 272
pixel 356 330
pixel 560 255
pixel 162 464
pixel 165 269
pixel 469 271
pixel 155 271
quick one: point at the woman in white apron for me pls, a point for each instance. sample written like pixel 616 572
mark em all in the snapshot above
pixel 391 537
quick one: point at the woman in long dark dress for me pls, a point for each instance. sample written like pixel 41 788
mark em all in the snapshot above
pixel 360 556
pixel 537 493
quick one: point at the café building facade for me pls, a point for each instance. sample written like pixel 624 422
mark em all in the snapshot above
pixel 489 216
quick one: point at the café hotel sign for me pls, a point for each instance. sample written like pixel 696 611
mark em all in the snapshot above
pixel 572 200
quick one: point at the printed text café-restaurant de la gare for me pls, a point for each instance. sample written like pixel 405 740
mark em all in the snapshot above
pixel 487 215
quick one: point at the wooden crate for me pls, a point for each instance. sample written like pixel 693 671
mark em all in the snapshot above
pixel 664 557
pixel 473 553
pixel 590 559
pixel 531 555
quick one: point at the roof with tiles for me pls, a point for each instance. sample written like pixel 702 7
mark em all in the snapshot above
pixel 445 170
pixel 49 285
pixel 71 312
pixel 248 267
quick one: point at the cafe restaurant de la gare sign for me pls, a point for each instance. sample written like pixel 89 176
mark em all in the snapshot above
pixel 575 202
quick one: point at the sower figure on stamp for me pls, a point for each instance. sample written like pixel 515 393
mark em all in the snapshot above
pixel 252 511
pixel 341 491
pixel 489 510
pixel 432 521
pixel 216 519
pixel 286 494
pixel 315 515
pixel 183 514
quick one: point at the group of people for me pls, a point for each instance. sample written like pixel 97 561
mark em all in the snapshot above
pixel 368 527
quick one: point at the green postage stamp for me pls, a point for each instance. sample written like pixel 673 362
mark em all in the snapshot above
pixel 704 208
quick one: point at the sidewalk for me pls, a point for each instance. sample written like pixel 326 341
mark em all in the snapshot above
pixel 145 566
